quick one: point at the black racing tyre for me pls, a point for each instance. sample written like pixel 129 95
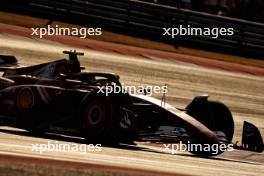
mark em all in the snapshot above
pixel 218 118
pixel 222 119
pixel 214 115
pixel 96 115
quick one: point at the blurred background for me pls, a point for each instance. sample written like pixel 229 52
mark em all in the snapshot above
pixel 141 23
pixel 244 9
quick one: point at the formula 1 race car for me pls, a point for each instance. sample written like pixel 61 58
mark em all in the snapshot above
pixel 57 97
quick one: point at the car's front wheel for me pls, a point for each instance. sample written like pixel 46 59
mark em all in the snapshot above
pixel 96 115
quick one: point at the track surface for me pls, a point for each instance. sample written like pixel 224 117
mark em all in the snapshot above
pixel 242 92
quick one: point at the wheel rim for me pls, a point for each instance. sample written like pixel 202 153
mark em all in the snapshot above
pixel 95 115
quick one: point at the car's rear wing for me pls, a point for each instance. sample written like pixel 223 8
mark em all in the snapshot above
pixel 251 139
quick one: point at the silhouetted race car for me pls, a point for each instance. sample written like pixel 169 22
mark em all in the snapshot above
pixel 58 97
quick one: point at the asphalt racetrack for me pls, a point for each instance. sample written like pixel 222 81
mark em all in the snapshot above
pixel 242 92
